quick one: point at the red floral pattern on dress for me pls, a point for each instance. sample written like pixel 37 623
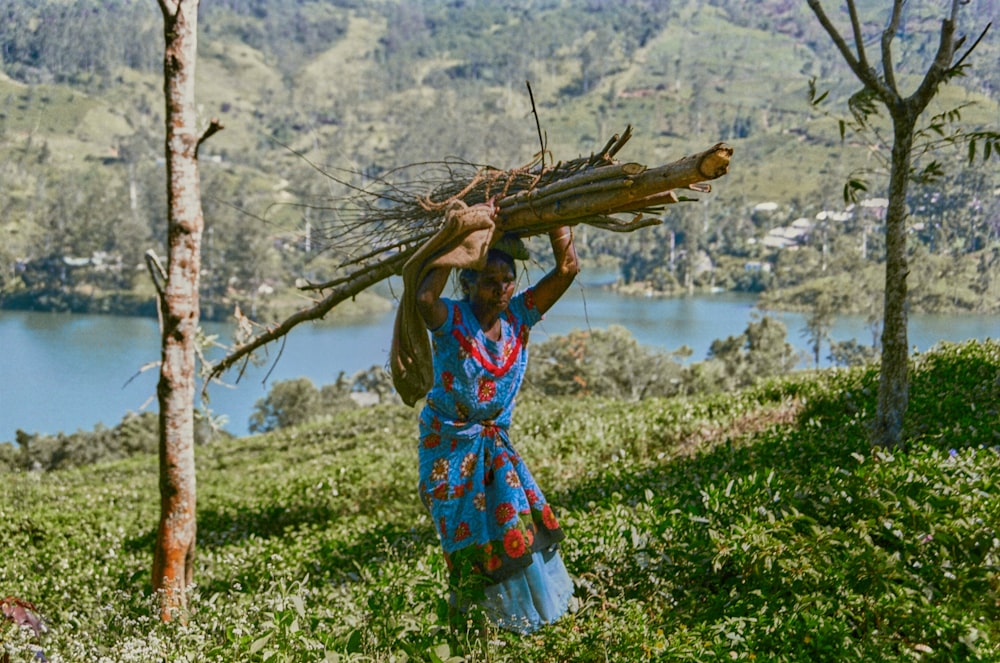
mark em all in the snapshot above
pixel 504 512
pixel 487 389
pixel 549 518
pixel 513 543
pixel 462 531
pixel 490 513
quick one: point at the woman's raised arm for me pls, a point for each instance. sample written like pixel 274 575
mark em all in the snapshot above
pixel 433 311
pixel 557 281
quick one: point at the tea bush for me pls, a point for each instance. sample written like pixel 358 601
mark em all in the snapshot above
pixel 757 525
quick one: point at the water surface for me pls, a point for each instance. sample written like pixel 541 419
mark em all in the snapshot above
pixel 64 372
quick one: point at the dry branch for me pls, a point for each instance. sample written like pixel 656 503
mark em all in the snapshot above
pixel 345 289
pixel 531 200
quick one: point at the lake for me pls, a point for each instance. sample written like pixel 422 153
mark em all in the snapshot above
pixel 64 372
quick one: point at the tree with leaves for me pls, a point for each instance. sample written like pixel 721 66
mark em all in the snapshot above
pixel 880 86
pixel 760 351
pixel 819 322
pixel 177 287
pixel 604 362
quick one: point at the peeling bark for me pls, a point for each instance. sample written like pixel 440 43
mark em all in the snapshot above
pixel 173 560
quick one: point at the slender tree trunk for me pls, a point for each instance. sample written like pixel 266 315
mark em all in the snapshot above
pixel 893 393
pixel 173 561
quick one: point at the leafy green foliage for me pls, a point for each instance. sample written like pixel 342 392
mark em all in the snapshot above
pixel 298 401
pixel 135 434
pixel 604 362
pixel 751 526
pixel 288 403
pixel 759 352
pixel 610 363
pixel 852 353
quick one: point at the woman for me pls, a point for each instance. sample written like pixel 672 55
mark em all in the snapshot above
pixel 497 531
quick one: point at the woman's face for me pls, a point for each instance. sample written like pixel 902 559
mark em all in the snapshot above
pixel 493 287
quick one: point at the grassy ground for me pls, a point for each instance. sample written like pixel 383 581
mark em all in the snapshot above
pixel 750 526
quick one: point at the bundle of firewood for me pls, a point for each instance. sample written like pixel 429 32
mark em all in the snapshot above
pixel 380 229
pixel 595 190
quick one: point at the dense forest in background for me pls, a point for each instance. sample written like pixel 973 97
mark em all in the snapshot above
pixel 320 96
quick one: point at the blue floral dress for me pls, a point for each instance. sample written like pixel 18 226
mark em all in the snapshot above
pixel 495 526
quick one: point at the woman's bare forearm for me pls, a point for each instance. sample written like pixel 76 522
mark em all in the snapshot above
pixel 433 311
pixel 557 281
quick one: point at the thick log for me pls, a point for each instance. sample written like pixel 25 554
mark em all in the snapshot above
pixel 605 194
pixel 655 200
pixel 618 171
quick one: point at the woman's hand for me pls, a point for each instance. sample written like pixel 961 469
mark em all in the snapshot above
pixel 493 205
pixel 564 251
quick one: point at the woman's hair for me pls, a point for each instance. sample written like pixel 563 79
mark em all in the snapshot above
pixel 467 277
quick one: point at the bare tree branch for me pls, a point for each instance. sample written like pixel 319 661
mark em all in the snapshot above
pixel 831 30
pixel 538 124
pixel 348 288
pixel 887 36
pixel 214 127
pixel 960 61
pixel 859 38
pixel 859 65
pixel 938 70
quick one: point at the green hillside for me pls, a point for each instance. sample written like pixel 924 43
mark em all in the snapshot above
pixel 750 526
pixel 358 89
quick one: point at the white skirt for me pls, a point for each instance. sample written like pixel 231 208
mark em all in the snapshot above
pixel 537 595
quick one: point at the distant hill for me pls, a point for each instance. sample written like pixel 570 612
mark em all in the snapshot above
pixel 360 88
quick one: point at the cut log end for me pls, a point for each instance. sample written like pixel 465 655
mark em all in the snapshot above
pixel 715 162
